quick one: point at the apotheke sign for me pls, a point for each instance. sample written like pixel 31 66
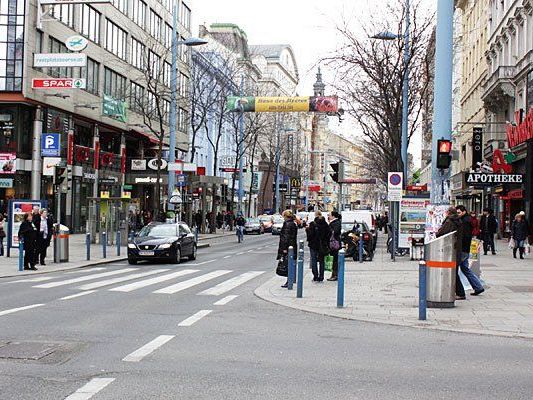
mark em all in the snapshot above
pixel 480 179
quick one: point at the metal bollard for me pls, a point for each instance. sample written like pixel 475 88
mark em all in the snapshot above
pixel 118 243
pixel 340 280
pixel 290 275
pixel 104 244
pixel 196 235
pixel 88 245
pixel 422 304
pixel 361 247
pixel 21 255
pixel 300 280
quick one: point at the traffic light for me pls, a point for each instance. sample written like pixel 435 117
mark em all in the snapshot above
pixel 335 175
pixel 444 153
pixel 59 174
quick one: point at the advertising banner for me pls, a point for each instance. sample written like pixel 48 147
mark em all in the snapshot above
pixel 284 104
pixel 8 163
pixel 17 209
pixel 114 108
pixel 412 220
pixel 435 216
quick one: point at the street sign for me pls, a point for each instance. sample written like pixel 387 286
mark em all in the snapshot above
pixel 394 186
pixel 59 60
pixel 76 43
pixel 181 180
pixel 49 164
pixel 283 187
pixel 58 83
pixel 50 145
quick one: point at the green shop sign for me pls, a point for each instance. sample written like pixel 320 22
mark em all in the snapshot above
pixel 114 108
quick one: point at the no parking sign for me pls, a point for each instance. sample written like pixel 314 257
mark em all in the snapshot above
pixel 395 186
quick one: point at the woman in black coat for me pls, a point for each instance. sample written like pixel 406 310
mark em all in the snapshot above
pixel 287 237
pixel 318 235
pixel 336 228
pixel 28 232
pixel 519 235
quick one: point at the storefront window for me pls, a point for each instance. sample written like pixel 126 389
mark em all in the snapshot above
pixel 11 44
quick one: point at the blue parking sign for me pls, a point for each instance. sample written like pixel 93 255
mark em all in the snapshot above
pixel 50 145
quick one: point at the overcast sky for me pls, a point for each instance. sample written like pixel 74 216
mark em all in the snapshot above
pixel 307 25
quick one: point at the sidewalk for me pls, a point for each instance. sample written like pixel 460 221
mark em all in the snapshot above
pixel 386 292
pixel 78 256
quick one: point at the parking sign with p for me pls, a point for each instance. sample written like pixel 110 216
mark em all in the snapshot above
pixel 50 145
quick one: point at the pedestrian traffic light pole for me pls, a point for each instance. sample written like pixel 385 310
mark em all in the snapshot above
pixel 442 120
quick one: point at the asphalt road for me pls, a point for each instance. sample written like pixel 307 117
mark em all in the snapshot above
pixel 147 334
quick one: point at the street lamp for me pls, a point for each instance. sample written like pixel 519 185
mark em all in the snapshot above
pixel 189 42
pixel 278 156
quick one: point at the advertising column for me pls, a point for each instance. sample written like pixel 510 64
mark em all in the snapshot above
pixel 36 161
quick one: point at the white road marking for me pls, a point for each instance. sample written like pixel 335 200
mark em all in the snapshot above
pixel 226 256
pixel 14 310
pixel 192 282
pixel 41 279
pixel 73 296
pixel 80 270
pixel 147 282
pixel 238 254
pixel 230 284
pixel 111 281
pixel 84 278
pixel 195 318
pixel 202 263
pixel 148 348
pixel 225 300
pixel 249 251
pixel 90 389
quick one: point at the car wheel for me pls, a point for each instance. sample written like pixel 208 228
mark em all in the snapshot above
pixel 177 256
pixel 192 257
pixel 131 261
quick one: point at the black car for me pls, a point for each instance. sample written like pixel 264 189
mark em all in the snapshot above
pixel 162 241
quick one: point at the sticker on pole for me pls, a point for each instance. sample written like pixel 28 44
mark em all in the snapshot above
pixel 394 186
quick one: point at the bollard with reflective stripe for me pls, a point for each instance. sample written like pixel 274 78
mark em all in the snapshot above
pixel 88 245
pixel 118 243
pixel 104 244
pixel 300 280
pixel 290 275
pixel 361 247
pixel 21 255
pixel 422 291
pixel 340 280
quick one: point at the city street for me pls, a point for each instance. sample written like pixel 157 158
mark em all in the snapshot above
pixel 196 331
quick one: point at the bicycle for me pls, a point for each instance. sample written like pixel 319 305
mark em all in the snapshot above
pixel 240 233
pixel 399 251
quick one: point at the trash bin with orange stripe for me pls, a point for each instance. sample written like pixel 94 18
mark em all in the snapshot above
pixel 61 239
pixel 440 255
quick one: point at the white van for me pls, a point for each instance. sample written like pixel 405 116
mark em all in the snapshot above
pixel 366 216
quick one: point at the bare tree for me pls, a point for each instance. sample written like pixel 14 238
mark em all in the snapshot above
pixel 369 79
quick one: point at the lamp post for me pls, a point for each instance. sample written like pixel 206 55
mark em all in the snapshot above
pixel 173 93
pixel 278 156
pixel 240 146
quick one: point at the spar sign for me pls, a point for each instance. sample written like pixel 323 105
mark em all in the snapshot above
pixel 58 83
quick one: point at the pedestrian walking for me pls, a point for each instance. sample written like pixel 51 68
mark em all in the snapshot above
pixel 287 237
pixel 3 228
pixel 335 242
pixel 475 224
pixel 28 232
pixel 519 234
pixel 466 230
pixel 452 223
pixel 44 227
pixel 488 227
pixel 318 235
pixel 220 220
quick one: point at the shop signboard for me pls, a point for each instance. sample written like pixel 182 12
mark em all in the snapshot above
pixel 8 163
pixel 49 164
pixel 486 179
pixel 44 60
pixel 412 219
pixel 138 165
pixel 322 104
pixel 153 163
pixel 114 108
pixel 6 183
pixel 16 211
pixel 477 147
pixel 76 43
pixel 58 83
pixel 104 194
pixel 50 145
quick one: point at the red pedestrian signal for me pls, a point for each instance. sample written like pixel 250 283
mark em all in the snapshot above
pixel 444 154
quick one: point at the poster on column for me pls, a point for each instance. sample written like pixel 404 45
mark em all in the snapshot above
pixel 16 210
pixel 434 218
pixel 412 220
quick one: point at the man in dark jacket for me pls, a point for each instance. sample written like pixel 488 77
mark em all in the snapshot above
pixel 28 232
pixel 318 234
pixel 45 228
pixel 287 237
pixel 466 230
pixel 336 228
pixel 488 227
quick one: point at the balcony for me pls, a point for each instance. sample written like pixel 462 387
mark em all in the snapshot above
pixel 499 88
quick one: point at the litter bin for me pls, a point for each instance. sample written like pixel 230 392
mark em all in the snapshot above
pixel 440 255
pixel 61 243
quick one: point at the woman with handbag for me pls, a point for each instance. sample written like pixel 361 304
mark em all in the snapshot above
pixel 318 234
pixel 287 238
pixel 335 242
pixel 2 234
pixel 28 232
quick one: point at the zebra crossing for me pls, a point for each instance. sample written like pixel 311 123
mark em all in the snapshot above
pixel 160 281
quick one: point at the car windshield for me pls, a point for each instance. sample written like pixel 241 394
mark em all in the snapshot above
pixel 158 230
pixel 278 220
pixel 252 221
pixel 266 218
pixel 348 226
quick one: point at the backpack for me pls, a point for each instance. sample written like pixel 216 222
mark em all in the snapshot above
pixel 334 244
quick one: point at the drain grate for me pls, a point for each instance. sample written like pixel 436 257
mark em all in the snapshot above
pixel 27 350
pixel 521 289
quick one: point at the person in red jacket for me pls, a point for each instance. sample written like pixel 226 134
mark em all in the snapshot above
pixel 475 224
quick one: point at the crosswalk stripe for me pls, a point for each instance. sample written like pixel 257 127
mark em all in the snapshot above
pixel 147 282
pixel 108 282
pixel 148 348
pixel 83 278
pixel 40 279
pixel 194 318
pixel 230 284
pixel 225 300
pixel 73 296
pixel 14 310
pixel 90 389
pixel 192 282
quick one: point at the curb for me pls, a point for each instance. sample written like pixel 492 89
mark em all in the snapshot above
pixel 89 264
pixel 262 293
